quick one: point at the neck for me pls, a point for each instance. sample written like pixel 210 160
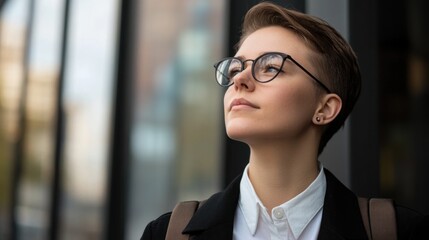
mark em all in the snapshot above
pixel 278 172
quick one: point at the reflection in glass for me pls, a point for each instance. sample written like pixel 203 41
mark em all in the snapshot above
pixel 35 184
pixel 89 75
pixel 13 28
pixel 404 103
pixel 176 128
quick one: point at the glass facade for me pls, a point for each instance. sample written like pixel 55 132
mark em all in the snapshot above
pixel 13 33
pixel 176 130
pixel 35 182
pixel 404 102
pixel 87 101
pixel 62 82
pixel 31 48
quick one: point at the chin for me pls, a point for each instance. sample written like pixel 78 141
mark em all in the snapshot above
pixel 242 132
pixel 238 133
pixel 237 136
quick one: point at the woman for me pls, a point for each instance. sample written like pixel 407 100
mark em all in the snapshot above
pixel 291 85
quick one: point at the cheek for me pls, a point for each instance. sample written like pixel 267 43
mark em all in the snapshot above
pixel 226 99
pixel 293 106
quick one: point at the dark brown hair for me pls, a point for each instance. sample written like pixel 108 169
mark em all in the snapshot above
pixel 335 60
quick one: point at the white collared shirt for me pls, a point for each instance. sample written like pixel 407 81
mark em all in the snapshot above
pixel 298 218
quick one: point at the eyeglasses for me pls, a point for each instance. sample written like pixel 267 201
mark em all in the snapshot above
pixel 264 69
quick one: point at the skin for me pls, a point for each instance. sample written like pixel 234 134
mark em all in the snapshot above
pixel 277 120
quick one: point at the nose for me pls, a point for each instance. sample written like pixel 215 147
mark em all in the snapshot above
pixel 244 80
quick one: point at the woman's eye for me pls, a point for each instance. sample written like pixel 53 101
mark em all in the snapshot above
pixel 233 72
pixel 272 68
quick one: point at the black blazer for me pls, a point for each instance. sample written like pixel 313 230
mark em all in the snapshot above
pixel 341 217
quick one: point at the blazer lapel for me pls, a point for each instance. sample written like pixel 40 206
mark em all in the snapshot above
pixel 341 217
pixel 215 219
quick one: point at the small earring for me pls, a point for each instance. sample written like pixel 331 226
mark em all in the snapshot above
pixel 318 119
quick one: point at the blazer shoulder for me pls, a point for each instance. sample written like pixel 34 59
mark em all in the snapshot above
pixel 157 229
pixel 218 210
pixel 411 224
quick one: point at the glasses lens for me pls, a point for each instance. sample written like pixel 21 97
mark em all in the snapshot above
pixel 268 66
pixel 226 70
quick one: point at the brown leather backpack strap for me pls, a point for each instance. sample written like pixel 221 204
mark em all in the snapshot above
pixel 180 217
pixel 379 218
pixel 363 205
pixel 382 218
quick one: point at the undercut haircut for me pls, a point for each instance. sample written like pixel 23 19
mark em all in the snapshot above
pixel 334 60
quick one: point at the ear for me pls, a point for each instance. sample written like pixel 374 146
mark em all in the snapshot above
pixel 328 109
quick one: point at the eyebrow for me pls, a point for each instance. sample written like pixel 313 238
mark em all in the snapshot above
pixel 259 54
pixel 239 57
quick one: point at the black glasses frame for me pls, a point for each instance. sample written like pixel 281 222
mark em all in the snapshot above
pixel 283 55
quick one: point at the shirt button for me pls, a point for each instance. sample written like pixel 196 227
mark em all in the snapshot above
pixel 279 213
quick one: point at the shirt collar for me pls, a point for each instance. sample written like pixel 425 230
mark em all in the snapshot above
pixel 249 202
pixel 299 211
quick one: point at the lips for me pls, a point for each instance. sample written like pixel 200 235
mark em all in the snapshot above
pixel 241 102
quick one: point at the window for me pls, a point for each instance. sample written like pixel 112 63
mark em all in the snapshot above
pixel 176 129
pixel 38 139
pixel 404 102
pixel 13 30
pixel 32 90
pixel 87 97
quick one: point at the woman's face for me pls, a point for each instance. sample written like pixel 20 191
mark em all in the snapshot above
pixel 281 109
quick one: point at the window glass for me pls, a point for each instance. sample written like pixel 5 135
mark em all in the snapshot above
pixel 13 28
pixel 87 96
pixel 35 183
pixel 404 102
pixel 177 125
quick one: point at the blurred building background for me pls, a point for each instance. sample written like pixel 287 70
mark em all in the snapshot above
pixel 110 114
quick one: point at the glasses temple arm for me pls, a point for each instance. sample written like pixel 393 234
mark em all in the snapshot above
pixel 309 74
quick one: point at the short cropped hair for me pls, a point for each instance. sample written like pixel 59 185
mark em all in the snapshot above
pixel 335 60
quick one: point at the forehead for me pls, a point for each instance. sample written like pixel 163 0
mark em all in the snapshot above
pixel 274 39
